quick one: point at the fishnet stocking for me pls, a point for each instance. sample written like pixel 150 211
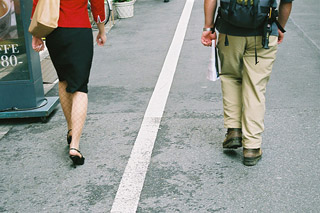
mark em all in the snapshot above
pixel 66 102
pixel 74 107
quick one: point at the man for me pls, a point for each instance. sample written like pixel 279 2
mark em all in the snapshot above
pixel 245 70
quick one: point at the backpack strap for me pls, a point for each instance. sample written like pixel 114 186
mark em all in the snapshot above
pixel 232 6
pixel 274 16
pixel 255 7
pixel 255 12
pixel 279 26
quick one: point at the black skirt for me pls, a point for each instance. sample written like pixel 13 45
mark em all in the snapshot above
pixel 71 52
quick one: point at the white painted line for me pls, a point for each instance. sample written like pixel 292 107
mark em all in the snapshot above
pixel 305 34
pixel 4 130
pixel 128 194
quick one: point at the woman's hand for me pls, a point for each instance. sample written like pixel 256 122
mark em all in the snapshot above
pixel 37 44
pixel 207 37
pixel 101 37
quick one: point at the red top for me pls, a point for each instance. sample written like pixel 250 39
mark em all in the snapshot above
pixel 74 13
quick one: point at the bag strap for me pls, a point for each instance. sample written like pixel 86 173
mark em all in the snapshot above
pixel 280 27
pixel 255 7
pixel 274 14
pixel 232 6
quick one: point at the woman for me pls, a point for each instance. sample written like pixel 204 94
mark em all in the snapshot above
pixel 71 50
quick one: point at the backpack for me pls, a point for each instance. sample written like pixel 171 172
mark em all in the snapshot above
pixel 249 14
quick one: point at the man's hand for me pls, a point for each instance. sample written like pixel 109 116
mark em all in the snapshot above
pixel 207 37
pixel 280 37
pixel 209 11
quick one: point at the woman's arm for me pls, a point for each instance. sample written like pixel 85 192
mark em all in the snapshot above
pixel 97 8
pixel 101 37
pixel 37 43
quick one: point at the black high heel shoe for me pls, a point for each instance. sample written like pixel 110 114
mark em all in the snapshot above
pixel 69 137
pixel 76 159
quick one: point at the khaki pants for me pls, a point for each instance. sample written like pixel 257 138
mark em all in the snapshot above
pixel 244 84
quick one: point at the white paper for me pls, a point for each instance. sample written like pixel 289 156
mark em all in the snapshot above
pixel 213 71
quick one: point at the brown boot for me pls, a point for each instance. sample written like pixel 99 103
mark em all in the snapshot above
pixel 251 156
pixel 233 138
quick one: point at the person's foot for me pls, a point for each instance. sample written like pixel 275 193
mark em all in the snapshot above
pixel 251 156
pixel 166 1
pixel 76 157
pixel 233 139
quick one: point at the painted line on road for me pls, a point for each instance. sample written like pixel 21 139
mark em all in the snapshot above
pixel 128 194
pixel 4 130
pixel 305 34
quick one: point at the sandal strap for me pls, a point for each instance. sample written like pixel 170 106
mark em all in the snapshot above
pixel 75 150
pixel 69 131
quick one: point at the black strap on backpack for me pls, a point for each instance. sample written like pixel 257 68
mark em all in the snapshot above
pixel 274 16
pixel 267 29
pixel 255 11
pixel 232 6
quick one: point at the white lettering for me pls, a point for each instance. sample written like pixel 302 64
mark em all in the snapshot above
pixel 7 47
pixel 15 48
pixel 4 61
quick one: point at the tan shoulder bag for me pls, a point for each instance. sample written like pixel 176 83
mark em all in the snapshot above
pixel 45 18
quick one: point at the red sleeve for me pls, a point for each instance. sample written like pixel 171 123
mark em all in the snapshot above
pixel 35 2
pixel 97 8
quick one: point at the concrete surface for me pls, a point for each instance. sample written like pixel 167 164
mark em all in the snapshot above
pixel 189 171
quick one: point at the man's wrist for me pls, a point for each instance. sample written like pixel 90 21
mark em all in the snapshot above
pixel 208 29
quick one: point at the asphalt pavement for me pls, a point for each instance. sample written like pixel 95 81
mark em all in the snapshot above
pixel 188 171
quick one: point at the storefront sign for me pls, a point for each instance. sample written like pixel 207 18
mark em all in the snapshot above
pixel 13 57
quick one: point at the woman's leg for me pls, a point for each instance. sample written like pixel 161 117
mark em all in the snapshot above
pixel 66 102
pixel 78 117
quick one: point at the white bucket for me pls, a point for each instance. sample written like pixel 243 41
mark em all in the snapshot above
pixel 124 9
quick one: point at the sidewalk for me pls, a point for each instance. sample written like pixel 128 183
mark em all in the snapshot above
pixel 188 171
